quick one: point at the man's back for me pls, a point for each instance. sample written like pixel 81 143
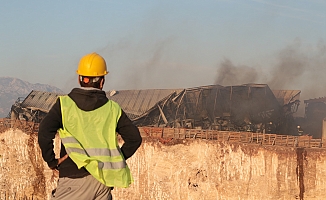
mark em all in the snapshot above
pixel 87 100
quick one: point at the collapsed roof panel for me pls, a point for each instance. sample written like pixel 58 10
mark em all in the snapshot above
pixel 316 100
pixel 137 102
pixel 40 100
pixel 237 102
pixel 239 99
pixel 287 96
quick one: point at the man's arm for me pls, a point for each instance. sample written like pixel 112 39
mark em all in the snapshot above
pixel 130 135
pixel 47 131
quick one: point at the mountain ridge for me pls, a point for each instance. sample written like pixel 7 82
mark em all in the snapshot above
pixel 13 88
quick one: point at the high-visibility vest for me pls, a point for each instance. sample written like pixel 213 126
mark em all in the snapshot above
pixel 90 140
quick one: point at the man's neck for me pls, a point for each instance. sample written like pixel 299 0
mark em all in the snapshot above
pixel 89 88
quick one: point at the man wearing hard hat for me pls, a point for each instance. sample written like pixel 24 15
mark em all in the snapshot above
pixel 91 162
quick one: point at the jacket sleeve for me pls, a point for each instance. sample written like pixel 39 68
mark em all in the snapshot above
pixel 130 135
pixel 47 131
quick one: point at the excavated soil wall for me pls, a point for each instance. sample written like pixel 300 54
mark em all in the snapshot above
pixel 199 169
pixel 179 169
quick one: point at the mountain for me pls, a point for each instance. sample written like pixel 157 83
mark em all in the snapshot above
pixel 13 88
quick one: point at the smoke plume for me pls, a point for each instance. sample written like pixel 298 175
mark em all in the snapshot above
pixel 290 68
pixel 296 67
pixel 229 74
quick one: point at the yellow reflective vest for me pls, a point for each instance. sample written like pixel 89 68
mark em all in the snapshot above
pixel 90 140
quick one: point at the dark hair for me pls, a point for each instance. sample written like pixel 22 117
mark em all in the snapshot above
pixel 89 81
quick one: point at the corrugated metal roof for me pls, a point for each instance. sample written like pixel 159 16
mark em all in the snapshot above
pixel 137 102
pixel 286 96
pixel 133 102
pixel 40 100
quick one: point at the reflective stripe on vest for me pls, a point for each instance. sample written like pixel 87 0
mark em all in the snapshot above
pixel 93 151
pixel 96 152
pixel 90 140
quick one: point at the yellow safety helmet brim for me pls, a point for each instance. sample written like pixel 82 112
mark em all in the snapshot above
pixel 92 65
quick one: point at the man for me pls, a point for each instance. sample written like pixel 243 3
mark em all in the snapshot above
pixel 91 162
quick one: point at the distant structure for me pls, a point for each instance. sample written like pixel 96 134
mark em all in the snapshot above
pixel 248 107
pixel 315 113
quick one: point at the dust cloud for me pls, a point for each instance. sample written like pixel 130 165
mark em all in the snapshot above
pixel 148 70
pixel 136 65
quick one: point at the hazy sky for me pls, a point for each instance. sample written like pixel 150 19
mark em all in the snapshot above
pixel 168 44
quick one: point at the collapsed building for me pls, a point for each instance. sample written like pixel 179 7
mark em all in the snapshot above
pixel 248 107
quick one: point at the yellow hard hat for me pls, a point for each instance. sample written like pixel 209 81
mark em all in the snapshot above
pixel 92 65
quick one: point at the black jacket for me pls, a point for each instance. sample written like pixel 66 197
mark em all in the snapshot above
pixel 87 100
